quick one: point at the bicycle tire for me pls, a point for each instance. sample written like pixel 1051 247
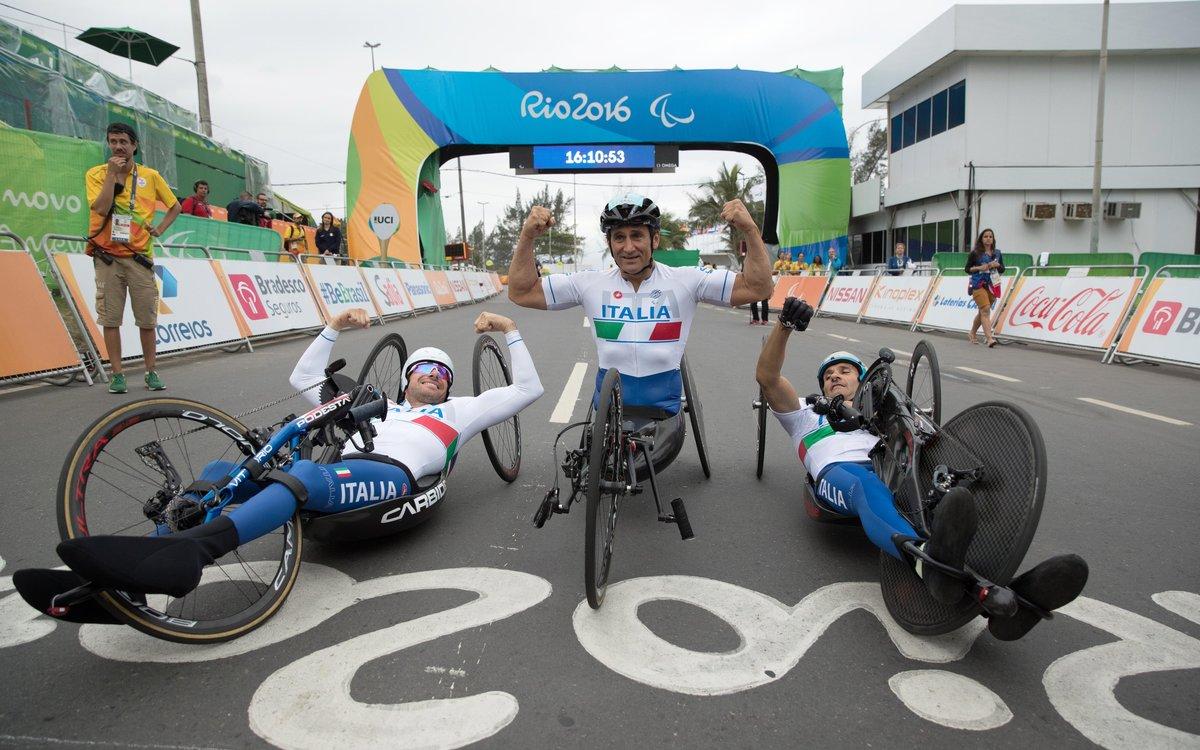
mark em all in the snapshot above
pixel 384 367
pixel 606 460
pixel 760 406
pixel 263 582
pixel 695 415
pixel 924 360
pixel 501 442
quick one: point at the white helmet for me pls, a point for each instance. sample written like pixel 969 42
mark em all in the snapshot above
pixel 429 354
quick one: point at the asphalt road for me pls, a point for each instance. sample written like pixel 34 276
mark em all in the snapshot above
pixel 765 631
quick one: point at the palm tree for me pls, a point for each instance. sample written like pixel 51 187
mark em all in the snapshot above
pixel 674 232
pixel 729 184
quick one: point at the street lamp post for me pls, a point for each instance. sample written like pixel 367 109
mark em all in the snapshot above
pixel 372 47
pixel 483 233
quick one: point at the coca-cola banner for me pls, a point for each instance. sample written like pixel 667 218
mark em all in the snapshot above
pixel 950 307
pixel 340 288
pixel 388 290
pixel 897 298
pixel 271 297
pixel 1067 310
pixel 847 295
pixel 1167 322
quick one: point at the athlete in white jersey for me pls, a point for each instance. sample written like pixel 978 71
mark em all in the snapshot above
pixel 641 311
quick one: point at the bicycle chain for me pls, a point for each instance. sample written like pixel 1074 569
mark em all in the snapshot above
pixel 247 412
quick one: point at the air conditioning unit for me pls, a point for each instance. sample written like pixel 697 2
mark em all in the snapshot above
pixel 1077 211
pixel 1039 211
pixel 1122 210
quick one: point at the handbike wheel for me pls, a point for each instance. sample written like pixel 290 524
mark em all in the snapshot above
pixel 760 406
pixel 502 441
pixel 606 474
pixel 695 415
pixel 384 367
pixel 108 487
pixel 925 382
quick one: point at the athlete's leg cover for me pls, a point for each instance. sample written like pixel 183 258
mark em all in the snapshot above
pixel 217 470
pixel 854 489
pixel 1050 584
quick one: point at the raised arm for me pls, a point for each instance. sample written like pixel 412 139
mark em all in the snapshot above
pixel 310 369
pixel 524 286
pixel 753 283
pixel 495 405
pixel 780 394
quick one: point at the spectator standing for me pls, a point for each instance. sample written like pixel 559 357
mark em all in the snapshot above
pixel 264 215
pixel 900 262
pixel 783 263
pixel 983 261
pixel 196 204
pixel 294 240
pixel 835 260
pixel 329 237
pixel 122 196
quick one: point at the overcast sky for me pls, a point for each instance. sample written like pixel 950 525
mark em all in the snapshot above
pixel 284 77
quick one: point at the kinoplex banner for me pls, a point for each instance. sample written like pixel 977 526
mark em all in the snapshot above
pixel 418 288
pixel 441 288
pixel 807 288
pixel 193 309
pixel 388 290
pixel 32 335
pixel 1167 322
pixel 272 297
pixel 1080 311
pixel 847 295
pixel 897 298
pixel 340 288
pixel 458 285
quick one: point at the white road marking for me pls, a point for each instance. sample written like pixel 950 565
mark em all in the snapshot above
pixel 30 741
pixel 587 322
pixel 949 699
pixel 987 374
pixel 446 670
pixel 854 340
pixel 570 394
pixel 836 336
pixel 1138 412
pixel 902 353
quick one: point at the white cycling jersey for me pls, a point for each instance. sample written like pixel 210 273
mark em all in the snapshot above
pixel 642 333
pixel 426 438
pixel 818 445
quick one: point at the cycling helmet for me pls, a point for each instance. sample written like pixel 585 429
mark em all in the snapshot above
pixel 835 358
pixel 429 354
pixel 629 209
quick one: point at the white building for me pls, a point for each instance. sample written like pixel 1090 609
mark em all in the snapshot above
pixel 992 123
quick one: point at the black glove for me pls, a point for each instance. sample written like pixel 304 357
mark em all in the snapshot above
pixel 842 416
pixel 796 314
pixel 819 404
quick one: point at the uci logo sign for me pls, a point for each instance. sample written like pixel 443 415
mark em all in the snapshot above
pixel 384 221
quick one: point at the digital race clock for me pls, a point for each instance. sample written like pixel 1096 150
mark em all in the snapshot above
pixel 636 157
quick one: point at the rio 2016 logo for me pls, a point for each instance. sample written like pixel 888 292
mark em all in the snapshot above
pixel 580 107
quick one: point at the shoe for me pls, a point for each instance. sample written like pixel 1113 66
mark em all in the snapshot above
pixel 39 587
pixel 1050 584
pixel 117 383
pixel 153 382
pixel 992 343
pixel 972 339
pixel 954 525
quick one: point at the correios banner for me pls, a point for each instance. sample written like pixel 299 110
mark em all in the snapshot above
pixel 272 297
pixel 847 295
pixel 897 298
pixel 1080 311
pixel 405 116
pixel 1167 323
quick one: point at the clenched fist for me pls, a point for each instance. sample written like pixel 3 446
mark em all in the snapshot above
pixel 796 314
pixel 537 223
pixel 353 318
pixel 492 322
pixel 736 215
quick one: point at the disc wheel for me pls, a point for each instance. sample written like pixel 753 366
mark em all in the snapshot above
pixel 108 486
pixel 384 367
pixel 607 471
pixel 760 407
pixel 925 382
pixel 691 404
pixel 502 441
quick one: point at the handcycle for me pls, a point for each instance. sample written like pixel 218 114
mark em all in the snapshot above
pixel 139 470
pixel 993 448
pixel 620 446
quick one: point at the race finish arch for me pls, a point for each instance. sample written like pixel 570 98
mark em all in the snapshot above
pixel 409 122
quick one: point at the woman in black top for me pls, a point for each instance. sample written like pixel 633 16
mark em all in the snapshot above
pixel 329 237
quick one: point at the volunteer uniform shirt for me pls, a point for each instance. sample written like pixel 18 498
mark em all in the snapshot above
pixel 152 189
pixel 818 445
pixel 641 333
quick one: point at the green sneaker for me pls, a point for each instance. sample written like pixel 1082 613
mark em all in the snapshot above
pixel 117 383
pixel 153 382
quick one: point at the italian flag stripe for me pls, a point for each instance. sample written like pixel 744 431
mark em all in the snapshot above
pixel 666 331
pixel 607 329
pixel 442 431
pixel 812 438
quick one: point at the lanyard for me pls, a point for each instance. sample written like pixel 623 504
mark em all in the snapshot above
pixel 133 190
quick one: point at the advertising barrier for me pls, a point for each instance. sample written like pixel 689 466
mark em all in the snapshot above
pixel 418 288
pixel 271 297
pixel 1166 326
pixel 458 285
pixel 479 284
pixel 807 288
pixel 388 290
pixel 193 308
pixel 496 281
pixel 897 298
pixel 847 295
pixel 33 338
pixel 1082 312
pixel 340 288
pixel 440 286
pixel 950 308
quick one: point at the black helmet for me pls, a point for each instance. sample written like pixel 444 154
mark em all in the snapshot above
pixel 629 209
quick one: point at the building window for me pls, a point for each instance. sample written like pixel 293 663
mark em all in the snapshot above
pixel 897 129
pixel 957 104
pixel 938 123
pixel 923 120
pixel 910 127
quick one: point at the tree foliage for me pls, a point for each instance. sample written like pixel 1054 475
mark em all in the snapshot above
pixel 730 183
pixel 872 160
pixel 561 243
pixel 674 232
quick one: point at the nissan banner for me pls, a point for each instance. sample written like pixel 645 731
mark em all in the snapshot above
pixel 847 295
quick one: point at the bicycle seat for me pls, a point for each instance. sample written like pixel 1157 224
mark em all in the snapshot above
pixel 667 430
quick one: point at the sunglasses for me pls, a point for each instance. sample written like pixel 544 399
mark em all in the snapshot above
pixel 432 368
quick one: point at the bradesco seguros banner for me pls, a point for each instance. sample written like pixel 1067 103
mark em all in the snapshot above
pixel 388 290
pixel 897 298
pixel 1079 311
pixel 340 288
pixel 272 297
pixel 847 295
pixel 458 285
pixel 1167 322
pixel 417 287
pixel 193 309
